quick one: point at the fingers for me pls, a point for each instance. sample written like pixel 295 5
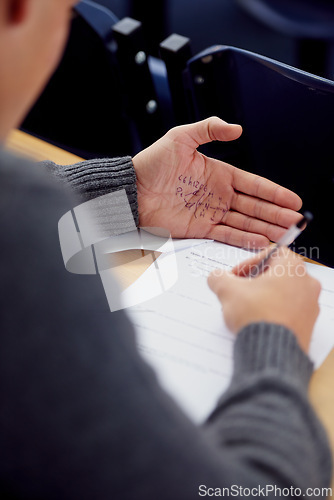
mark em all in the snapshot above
pixel 272 227
pixel 262 188
pixel 287 261
pixel 264 210
pixel 284 294
pixel 220 281
pixel 244 268
pixel 235 237
pixel 211 129
pixel 282 257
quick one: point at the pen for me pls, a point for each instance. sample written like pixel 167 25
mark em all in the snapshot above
pixel 288 237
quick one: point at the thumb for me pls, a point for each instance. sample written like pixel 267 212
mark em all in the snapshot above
pixel 212 129
pixel 221 281
pixel 245 267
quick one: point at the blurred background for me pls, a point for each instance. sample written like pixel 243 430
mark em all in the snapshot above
pixel 209 22
pixel 92 105
pixel 116 91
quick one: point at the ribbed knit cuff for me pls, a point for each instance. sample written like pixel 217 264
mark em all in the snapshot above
pixel 93 178
pixel 265 347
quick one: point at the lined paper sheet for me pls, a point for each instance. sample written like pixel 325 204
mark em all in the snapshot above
pixel 181 332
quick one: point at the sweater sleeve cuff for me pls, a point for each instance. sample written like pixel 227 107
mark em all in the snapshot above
pixel 271 348
pixel 93 178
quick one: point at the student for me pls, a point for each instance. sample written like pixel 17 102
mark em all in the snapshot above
pixel 82 416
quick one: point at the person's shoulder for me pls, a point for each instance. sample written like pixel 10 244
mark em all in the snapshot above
pixel 20 170
pixel 11 163
pixel 22 179
pixel 32 203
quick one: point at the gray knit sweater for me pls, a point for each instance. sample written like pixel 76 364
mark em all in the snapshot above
pixel 83 417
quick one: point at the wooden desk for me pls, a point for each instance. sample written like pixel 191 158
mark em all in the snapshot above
pixel 322 383
pixel 27 145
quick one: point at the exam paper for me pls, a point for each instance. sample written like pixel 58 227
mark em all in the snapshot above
pixel 182 335
pixel 160 276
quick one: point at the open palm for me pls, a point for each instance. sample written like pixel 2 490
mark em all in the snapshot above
pixel 194 196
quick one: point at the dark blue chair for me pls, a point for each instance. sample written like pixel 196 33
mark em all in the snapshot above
pixel 310 22
pixel 91 106
pixel 152 15
pixel 287 118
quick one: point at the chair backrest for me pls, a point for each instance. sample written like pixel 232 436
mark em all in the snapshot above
pixel 287 117
pixel 296 18
pixel 103 100
pixel 84 93
pixel 309 22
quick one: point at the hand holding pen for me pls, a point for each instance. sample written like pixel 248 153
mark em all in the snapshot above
pixel 287 295
pixel 291 234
